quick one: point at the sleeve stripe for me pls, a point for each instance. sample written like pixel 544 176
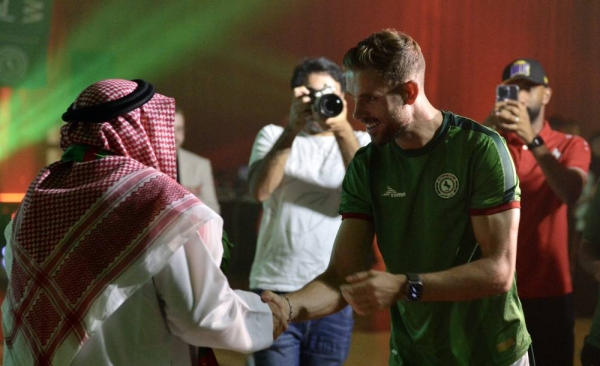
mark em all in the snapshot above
pixel 510 175
pixel 355 215
pixel 510 179
pixel 494 210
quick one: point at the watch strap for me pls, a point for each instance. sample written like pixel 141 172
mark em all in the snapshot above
pixel 414 287
pixel 413 277
pixel 537 141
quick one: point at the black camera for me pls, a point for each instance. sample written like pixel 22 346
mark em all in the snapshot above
pixel 326 102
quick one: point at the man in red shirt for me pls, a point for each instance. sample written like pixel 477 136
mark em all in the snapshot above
pixel 552 169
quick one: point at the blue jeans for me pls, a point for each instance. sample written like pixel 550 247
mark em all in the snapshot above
pixel 321 342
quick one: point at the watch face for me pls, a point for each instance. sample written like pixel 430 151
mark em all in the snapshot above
pixel 415 290
pixel 537 141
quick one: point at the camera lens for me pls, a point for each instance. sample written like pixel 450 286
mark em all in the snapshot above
pixel 329 105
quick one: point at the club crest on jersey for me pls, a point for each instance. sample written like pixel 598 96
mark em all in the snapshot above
pixel 446 185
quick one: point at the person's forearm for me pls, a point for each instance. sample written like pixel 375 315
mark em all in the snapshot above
pixel 266 174
pixel 213 315
pixel 320 297
pixel 566 183
pixel 348 144
pixel 481 278
pixel 490 275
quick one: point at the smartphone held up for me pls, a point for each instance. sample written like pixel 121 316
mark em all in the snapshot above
pixel 508 91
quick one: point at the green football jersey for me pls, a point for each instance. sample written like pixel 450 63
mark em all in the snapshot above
pixel 421 202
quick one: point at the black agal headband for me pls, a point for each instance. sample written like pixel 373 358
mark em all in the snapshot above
pixel 106 111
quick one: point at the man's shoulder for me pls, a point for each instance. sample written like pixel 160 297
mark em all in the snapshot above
pixel 467 124
pixel 565 141
pixel 271 129
pixel 269 133
pixel 566 136
pixel 475 132
pixel 371 151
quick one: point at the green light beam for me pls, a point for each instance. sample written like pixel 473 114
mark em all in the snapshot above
pixel 142 49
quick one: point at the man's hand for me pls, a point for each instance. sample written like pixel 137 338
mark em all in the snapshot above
pixel 372 290
pixel 280 309
pixel 301 110
pixel 511 115
pixel 337 124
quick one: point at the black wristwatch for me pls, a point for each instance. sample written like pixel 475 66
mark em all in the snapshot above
pixel 414 287
pixel 537 141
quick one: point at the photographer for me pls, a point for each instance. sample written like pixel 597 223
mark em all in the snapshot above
pixel 552 168
pixel 297 173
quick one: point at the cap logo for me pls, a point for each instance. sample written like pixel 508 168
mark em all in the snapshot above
pixel 520 68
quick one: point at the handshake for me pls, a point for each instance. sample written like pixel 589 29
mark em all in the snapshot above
pixel 366 292
pixel 281 307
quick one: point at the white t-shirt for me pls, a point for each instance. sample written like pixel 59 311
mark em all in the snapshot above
pixel 300 220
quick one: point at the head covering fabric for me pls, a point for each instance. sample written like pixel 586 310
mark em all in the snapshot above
pixel 88 234
pixel 109 110
pixel 145 134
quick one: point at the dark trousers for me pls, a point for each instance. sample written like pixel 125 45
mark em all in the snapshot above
pixel 551 322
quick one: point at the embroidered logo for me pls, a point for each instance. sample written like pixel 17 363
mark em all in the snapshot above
pixel 446 185
pixel 520 67
pixel 391 192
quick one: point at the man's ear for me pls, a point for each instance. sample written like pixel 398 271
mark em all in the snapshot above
pixel 410 91
pixel 547 95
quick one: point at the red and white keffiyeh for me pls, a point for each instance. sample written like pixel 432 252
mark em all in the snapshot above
pixel 89 234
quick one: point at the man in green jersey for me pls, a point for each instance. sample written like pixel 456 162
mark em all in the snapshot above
pixel 441 194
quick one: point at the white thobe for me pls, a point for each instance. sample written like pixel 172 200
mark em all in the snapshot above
pixel 189 302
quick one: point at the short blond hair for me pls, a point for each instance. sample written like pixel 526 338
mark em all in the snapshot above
pixel 394 54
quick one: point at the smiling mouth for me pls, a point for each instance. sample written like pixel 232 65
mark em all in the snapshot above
pixel 371 124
